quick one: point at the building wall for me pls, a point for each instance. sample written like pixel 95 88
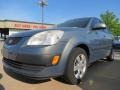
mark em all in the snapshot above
pixel 1 25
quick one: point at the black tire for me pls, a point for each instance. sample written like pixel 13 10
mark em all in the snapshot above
pixel 111 56
pixel 69 76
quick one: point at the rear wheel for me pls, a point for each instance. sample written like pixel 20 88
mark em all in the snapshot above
pixel 77 66
pixel 111 56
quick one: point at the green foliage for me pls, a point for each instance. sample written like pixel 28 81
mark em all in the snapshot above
pixel 112 22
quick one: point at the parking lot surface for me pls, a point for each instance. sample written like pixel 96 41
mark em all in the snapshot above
pixel 101 75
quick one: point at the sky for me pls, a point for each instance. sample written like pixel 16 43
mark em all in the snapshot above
pixel 57 11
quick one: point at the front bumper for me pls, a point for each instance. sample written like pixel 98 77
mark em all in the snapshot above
pixel 30 71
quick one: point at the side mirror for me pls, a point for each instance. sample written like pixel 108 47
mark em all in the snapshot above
pixel 99 26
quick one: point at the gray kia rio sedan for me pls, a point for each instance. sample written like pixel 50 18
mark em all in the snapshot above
pixel 65 50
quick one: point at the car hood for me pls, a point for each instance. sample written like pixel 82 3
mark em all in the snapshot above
pixel 32 32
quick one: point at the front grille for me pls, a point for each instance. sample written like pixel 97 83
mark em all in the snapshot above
pixel 20 65
pixel 12 40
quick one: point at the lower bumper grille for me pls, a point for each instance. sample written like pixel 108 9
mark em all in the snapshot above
pixel 20 65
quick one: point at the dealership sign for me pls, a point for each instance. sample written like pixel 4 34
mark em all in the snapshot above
pixel 28 26
pixel 23 25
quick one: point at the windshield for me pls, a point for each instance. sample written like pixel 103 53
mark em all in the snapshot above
pixel 79 23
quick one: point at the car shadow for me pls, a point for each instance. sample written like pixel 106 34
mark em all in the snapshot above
pixel 1 75
pixel 102 75
pixel 1 87
pixel 25 79
pixel 60 79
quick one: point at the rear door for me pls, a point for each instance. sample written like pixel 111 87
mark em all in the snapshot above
pixel 108 41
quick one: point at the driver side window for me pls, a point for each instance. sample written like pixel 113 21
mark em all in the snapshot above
pixel 94 22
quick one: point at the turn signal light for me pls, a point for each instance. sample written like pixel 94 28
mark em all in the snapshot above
pixel 55 60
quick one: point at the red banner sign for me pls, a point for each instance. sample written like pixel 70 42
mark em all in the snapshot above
pixel 29 26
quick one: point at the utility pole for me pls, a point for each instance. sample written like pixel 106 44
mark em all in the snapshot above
pixel 42 3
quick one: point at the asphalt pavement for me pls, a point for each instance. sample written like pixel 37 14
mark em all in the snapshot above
pixel 101 75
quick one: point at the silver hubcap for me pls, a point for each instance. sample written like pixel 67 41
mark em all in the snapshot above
pixel 80 66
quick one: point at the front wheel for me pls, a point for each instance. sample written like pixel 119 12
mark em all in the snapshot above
pixel 77 66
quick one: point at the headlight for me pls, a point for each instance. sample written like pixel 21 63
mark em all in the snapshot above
pixel 46 38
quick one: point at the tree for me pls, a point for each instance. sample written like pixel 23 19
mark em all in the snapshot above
pixel 112 22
